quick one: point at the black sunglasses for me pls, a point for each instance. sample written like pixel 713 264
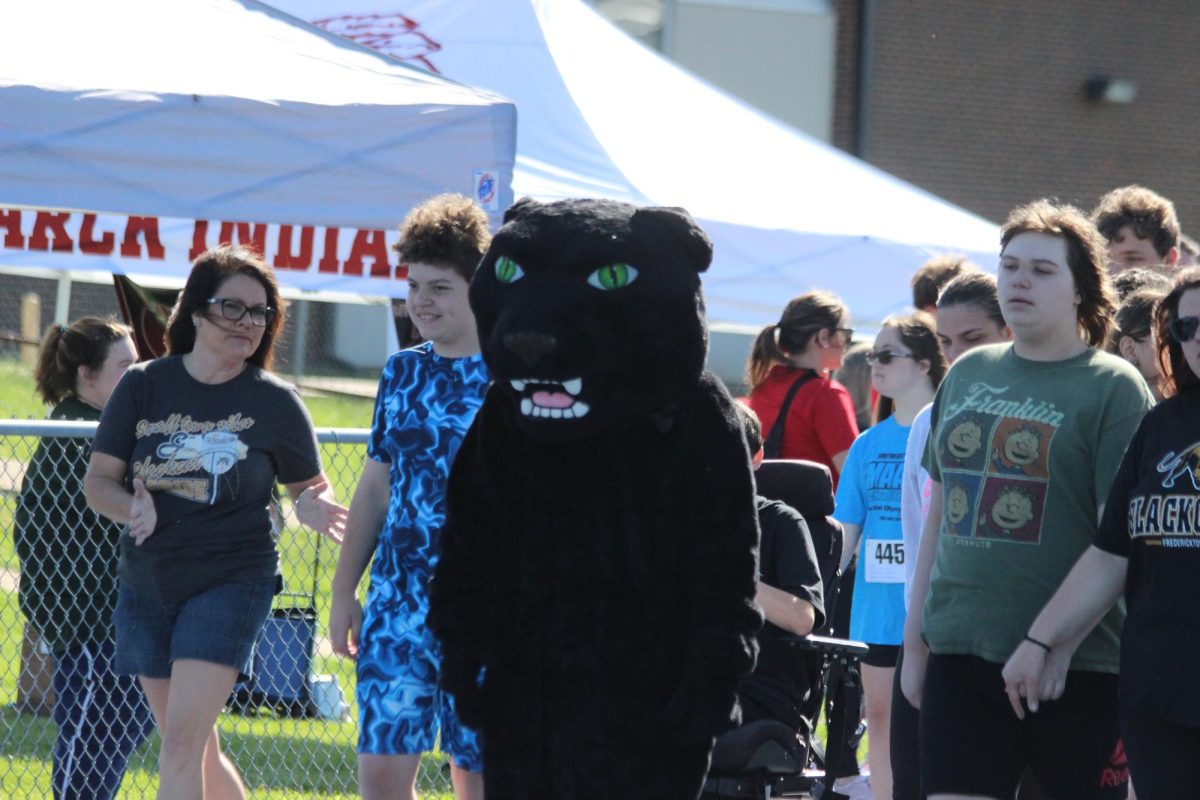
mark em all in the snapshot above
pixel 234 310
pixel 1183 329
pixel 885 356
pixel 848 332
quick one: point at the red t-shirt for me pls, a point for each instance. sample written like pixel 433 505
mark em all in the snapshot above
pixel 821 421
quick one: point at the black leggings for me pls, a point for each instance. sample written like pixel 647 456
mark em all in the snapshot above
pixel 904 755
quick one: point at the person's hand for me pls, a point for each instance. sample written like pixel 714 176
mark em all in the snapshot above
pixel 912 671
pixel 1024 677
pixel 317 508
pixel 345 625
pixel 142 516
pixel 1054 676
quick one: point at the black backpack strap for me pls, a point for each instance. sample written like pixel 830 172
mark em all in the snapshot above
pixel 774 441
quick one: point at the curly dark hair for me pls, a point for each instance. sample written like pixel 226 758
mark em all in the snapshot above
pixel 1149 214
pixel 448 231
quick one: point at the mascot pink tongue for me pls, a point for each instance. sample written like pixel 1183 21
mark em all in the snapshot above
pixel 553 400
pixel 594 597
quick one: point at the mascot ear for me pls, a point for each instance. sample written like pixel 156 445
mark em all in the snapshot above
pixel 674 225
pixel 521 208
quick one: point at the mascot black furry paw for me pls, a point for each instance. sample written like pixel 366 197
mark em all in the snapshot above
pixel 598 558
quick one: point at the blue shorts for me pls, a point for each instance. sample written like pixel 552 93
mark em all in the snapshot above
pixel 219 625
pixel 400 706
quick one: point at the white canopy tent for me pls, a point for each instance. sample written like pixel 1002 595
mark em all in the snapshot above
pixel 134 132
pixel 603 116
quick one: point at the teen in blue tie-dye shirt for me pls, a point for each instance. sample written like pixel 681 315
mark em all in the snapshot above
pixel 428 396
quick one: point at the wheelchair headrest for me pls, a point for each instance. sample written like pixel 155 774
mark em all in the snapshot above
pixel 804 485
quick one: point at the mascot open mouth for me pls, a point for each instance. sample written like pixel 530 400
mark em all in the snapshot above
pixel 551 399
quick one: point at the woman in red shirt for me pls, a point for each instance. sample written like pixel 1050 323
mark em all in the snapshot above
pixel 806 344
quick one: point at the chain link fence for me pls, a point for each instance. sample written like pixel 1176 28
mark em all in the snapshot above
pixel 292 732
pixel 320 339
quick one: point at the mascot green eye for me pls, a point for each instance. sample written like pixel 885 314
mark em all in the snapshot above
pixel 507 270
pixel 613 276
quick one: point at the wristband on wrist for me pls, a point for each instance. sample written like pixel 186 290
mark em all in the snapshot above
pixel 1040 644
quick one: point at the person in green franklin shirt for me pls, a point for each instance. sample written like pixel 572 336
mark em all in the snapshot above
pixel 1024 442
pixel 68 558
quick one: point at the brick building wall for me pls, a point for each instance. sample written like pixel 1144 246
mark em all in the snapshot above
pixel 982 103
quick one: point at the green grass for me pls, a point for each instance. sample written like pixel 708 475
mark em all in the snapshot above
pixel 17 398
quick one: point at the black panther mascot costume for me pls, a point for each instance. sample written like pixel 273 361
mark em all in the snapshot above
pixel 598 560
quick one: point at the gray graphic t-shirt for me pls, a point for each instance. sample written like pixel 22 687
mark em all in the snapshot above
pixel 210 455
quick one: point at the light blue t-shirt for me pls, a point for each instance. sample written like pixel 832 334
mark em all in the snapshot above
pixel 868 495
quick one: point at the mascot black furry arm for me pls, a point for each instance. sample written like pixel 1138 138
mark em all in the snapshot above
pixel 599 556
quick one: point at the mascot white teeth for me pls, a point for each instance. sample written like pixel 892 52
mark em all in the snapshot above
pixel 598 563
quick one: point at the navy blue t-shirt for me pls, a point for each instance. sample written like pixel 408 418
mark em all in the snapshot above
pixel 1152 517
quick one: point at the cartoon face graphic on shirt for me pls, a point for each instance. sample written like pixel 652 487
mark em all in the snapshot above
pixel 958 504
pixel 1013 509
pixel 1021 446
pixel 965 439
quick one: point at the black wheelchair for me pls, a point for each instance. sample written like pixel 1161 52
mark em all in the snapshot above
pixel 765 758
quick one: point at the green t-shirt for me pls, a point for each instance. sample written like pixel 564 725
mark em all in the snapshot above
pixel 1025 452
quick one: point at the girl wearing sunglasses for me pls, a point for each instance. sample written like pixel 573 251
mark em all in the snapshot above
pixel 1145 549
pixel 1024 442
pixel 906 367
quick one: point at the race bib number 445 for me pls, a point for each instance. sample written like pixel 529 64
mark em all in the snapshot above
pixel 884 561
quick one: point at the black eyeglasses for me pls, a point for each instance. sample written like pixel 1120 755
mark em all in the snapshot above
pixel 847 332
pixel 885 356
pixel 234 310
pixel 1183 329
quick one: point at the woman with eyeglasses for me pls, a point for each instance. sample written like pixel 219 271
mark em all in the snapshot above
pixel 188 451
pixel 1146 549
pixel 1024 442
pixel 788 371
pixel 906 367
pixel 1133 338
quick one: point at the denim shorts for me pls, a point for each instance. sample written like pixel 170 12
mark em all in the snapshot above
pixel 219 625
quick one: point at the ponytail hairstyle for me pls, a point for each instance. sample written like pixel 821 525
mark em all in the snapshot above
pixel 1087 258
pixel 64 350
pixel 974 289
pixel 803 318
pixel 917 332
pixel 1178 374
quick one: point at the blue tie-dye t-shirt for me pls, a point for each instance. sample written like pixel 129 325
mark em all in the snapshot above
pixel 424 407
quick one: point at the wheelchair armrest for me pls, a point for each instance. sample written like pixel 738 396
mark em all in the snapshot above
pixel 827 645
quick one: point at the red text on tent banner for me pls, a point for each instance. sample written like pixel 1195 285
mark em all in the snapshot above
pixel 304 256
